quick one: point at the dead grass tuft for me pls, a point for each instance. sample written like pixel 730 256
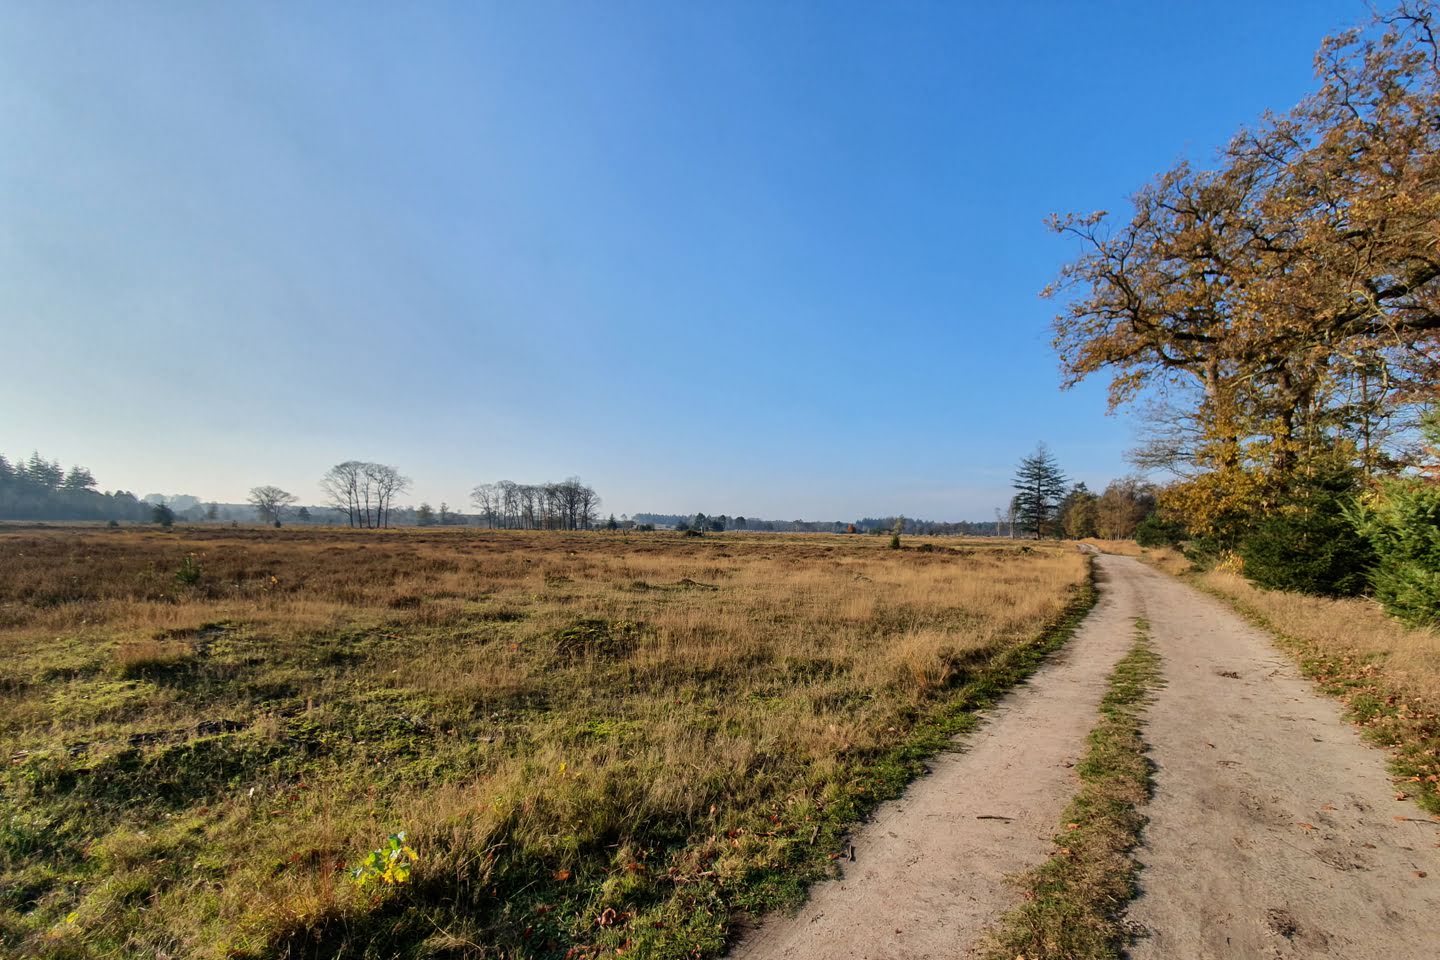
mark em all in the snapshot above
pixel 135 659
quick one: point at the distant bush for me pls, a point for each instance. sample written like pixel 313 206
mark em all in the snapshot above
pixel 163 515
pixel 1156 531
pixel 1310 544
pixel 1402 525
pixel 894 541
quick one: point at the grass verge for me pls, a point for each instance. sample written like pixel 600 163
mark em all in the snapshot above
pixel 1074 902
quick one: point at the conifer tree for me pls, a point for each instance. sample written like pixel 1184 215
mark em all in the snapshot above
pixel 1039 487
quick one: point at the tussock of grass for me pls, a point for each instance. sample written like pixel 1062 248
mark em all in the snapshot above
pixel 138 658
pixel 1075 902
pixel 582 766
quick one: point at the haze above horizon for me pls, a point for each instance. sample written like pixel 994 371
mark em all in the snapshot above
pixel 774 260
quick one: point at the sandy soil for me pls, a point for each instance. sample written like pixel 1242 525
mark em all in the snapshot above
pixel 1274 831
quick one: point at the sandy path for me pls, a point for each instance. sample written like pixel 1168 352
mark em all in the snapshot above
pixel 1246 753
pixel 928 874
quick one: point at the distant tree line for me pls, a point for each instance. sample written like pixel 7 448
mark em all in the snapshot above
pixel 681 521
pixel 38 489
pixel 507 505
pixel 1046 505
pixel 427 516
pixel 923 528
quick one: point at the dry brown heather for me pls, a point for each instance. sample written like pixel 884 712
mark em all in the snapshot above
pixel 1388 674
pixel 592 740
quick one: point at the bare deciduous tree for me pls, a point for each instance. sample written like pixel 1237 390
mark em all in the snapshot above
pixel 342 489
pixel 569 505
pixel 387 483
pixel 271 502
pixel 365 491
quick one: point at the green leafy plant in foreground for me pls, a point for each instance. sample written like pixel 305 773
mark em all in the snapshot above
pixel 390 864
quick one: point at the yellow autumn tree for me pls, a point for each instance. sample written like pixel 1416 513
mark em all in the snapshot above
pixel 1284 305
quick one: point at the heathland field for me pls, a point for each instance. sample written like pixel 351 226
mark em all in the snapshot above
pixel 594 743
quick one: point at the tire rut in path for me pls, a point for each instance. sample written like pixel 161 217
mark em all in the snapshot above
pixel 1273 829
pixel 930 875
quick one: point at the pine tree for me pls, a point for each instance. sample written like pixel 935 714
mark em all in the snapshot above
pixel 1039 485
pixel 79 479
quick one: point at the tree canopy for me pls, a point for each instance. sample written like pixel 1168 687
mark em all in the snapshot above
pixel 1284 305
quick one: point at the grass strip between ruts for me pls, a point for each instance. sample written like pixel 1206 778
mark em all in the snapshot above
pixel 1074 903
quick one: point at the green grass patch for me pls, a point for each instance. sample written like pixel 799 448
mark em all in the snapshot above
pixel 1075 902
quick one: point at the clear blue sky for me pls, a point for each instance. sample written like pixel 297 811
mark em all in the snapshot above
pixel 778 259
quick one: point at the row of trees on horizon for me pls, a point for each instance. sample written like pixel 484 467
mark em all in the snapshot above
pixel 362 494
pixel 40 489
pixel 567 505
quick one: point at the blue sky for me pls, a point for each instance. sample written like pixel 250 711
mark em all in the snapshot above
pixel 774 259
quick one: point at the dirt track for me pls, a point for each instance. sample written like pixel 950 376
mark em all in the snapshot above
pixel 1273 833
